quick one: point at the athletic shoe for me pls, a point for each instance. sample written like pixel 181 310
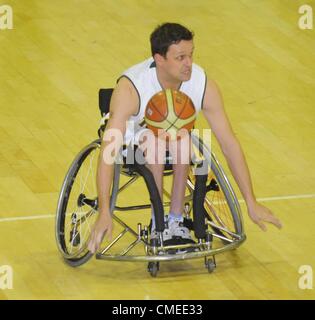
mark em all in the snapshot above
pixel 154 235
pixel 179 230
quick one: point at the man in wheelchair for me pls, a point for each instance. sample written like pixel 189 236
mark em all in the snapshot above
pixel 170 67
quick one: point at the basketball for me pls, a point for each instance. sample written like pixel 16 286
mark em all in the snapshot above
pixel 169 111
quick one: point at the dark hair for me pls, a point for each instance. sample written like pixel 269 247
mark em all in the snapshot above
pixel 167 34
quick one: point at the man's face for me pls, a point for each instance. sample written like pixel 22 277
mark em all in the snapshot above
pixel 178 61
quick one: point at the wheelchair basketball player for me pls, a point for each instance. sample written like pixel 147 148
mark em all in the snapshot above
pixel 170 67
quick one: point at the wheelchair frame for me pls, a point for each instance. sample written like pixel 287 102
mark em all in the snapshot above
pixel 154 253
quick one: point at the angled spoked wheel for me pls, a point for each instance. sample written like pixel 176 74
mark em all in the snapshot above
pixel 77 212
pixel 223 213
pixel 77 206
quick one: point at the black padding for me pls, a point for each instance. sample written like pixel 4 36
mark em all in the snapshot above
pixel 154 194
pixel 199 212
pixel 104 96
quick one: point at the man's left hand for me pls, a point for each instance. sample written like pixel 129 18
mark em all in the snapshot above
pixel 260 214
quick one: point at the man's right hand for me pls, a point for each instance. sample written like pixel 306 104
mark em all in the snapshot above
pixel 103 225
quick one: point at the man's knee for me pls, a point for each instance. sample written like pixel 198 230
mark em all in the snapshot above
pixel 181 150
pixel 154 149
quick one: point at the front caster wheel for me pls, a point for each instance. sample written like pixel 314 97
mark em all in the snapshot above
pixel 153 268
pixel 210 264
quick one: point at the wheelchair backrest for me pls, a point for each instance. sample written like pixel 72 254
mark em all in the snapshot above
pixel 104 96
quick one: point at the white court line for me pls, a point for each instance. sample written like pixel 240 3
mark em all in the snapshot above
pixel 301 196
pixel 43 216
pixel 49 216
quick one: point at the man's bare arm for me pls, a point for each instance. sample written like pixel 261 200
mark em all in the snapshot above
pixel 124 103
pixel 213 110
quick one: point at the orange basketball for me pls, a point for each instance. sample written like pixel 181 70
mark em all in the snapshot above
pixel 168 111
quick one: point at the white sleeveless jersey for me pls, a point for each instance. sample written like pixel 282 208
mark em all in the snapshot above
pixel 144 78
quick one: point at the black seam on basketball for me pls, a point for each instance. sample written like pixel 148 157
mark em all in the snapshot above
pixel 157 109
pixel 178 116
pixel 187 100
pixel 172 124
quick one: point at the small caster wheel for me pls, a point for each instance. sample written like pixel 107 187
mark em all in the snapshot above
pixel 210 265
pixel 153 268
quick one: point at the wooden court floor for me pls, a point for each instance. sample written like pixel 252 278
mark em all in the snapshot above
pixel 52 63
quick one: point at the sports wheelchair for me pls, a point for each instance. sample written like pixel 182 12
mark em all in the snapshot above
pixel 212 210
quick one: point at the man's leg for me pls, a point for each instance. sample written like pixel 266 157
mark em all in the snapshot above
pixel 180 151
pixel 178 188
pixel 154 150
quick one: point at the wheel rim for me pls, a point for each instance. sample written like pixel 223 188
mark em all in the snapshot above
pixel 77 206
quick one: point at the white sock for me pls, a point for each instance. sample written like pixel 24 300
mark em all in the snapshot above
pixel 175 216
